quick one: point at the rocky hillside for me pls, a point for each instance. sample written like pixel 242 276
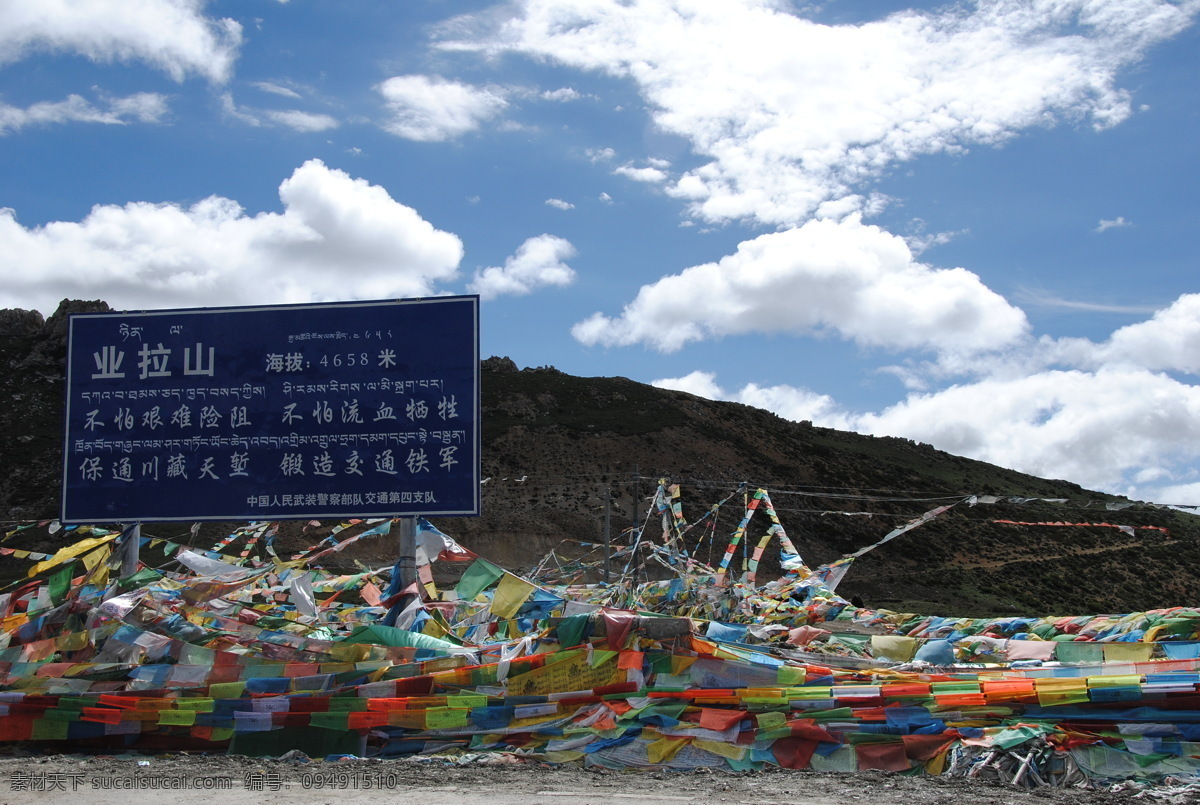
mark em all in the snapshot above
pixel 556 447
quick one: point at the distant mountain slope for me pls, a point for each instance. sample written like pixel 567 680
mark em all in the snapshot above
pixel 555 446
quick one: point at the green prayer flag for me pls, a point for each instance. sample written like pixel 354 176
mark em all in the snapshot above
pixel 60 582
pixel 479 576
pixel 570 630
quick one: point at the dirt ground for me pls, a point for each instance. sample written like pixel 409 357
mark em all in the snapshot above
pixel 233 780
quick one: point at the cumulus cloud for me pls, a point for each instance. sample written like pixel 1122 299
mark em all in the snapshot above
pixel 1100 429
pixel 1115 223
pixel 650 174
pixel 1123 430
pixel 432 109
pixel 794 122
pixel 792 114
pixel 337 238
pixel 143 107
pixel 538 262
pixel 1108 415
pixel 789 402
pixel 559 204
pixel 171 35
pixel 302 121
pixel 1168 341
pixel 825 277
pixel 1182 494
pixel 562 95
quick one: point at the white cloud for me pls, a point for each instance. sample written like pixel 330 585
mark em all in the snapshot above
pixel 923 240
pixel 432 109
pixel 825 277
pixel 559 204
pixel 338 238
pixel 276 89
pixel 702 384
pixel 562 95
pixel 600 154
pixel 231 109
pixel 1169 341
pixel 650 175
pixel 143 107
pixel 538 262
pixel 291 118
pixel 1035 297
pixel 1100 429
pixel 171 35
pixel 1186 494
pixel 1112 419
pixel 302 121
pixel 795 122
pixel 789 402
pixel 1122 430
pixel 1115 223
pixel 606 198
pixel 792 114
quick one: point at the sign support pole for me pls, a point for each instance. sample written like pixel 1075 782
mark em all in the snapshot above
pixel 131 550
pixel 405 570
pixel 408 552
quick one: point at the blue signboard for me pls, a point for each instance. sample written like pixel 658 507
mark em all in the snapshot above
pixel 356 409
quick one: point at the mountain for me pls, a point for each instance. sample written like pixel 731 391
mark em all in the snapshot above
pixel 555 447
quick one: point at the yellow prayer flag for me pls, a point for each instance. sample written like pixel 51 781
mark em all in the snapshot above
pixel 1114 681
pixel 665 748
pixel 893 647
pixel 1058 698
pixel 439 718
pixel 408 719
pixel 226 690
pixel 1127 652
pixel 768 721
pixel 935 764
pixel 70 552
pixel 101 554
pixel 72 641
pixel 177 718
pixel 511 592
pixel 680 664
pixel 731 751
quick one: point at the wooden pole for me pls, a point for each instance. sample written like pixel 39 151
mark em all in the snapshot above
pixel 607 534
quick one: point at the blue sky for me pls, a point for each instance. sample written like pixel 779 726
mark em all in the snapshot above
pixel 969 225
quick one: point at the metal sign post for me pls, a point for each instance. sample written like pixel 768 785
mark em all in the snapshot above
pixel 407 564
